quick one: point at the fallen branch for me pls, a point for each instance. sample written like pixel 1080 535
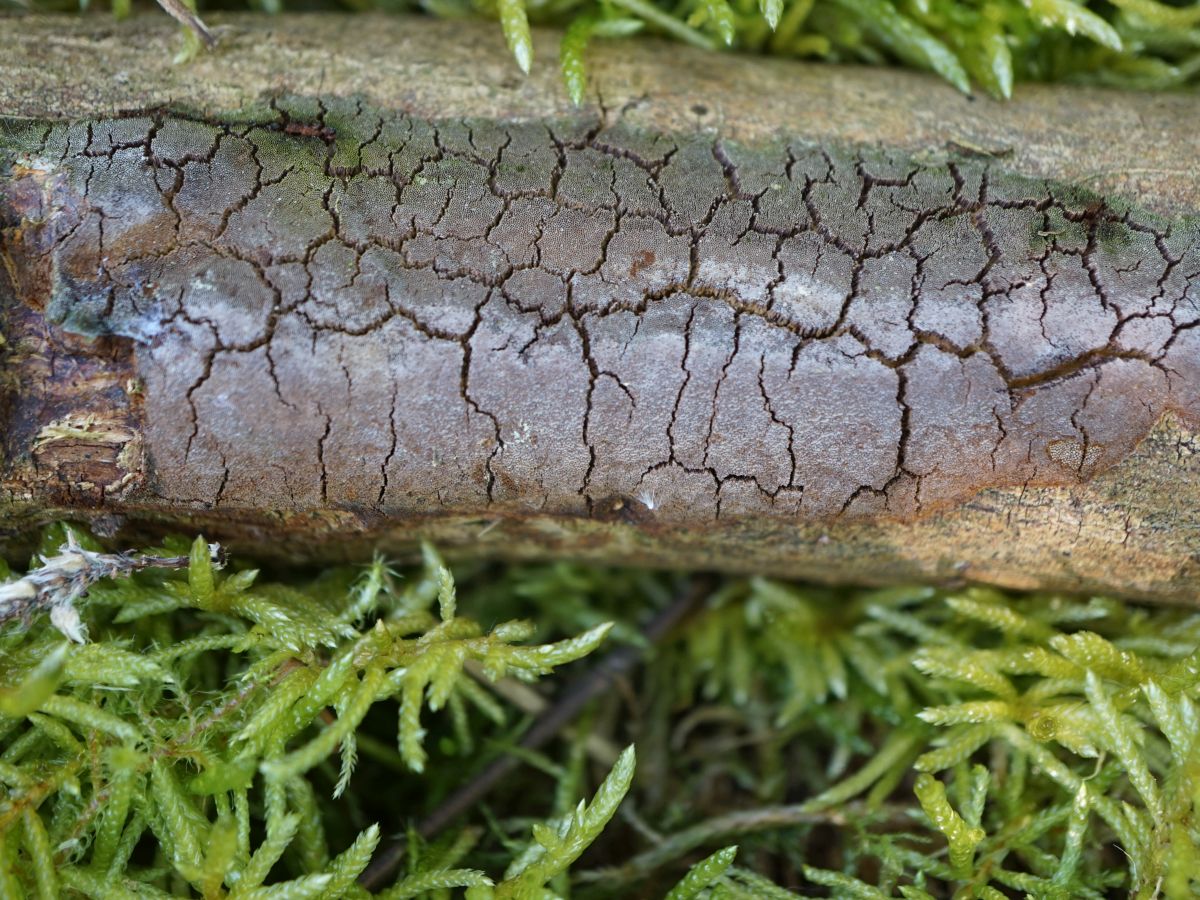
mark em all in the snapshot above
pixel 805 321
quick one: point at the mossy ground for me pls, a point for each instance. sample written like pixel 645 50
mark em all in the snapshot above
pixel 273 735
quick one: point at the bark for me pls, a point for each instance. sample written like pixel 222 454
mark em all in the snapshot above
pixel 354 283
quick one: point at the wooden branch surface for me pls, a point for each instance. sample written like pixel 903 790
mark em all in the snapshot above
pixel 353 282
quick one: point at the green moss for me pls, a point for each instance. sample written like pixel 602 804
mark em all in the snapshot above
pixel 229 734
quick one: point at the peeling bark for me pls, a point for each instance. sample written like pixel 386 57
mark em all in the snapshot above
pixel 666 328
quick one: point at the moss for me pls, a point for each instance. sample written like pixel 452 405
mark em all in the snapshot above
pixel 229 734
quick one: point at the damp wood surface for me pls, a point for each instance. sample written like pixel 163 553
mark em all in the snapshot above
pixel 335 287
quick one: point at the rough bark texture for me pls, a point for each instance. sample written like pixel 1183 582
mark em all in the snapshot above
pixel 816 335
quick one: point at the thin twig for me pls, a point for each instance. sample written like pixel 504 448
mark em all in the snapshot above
pixel 599 748
pixel 54 586
pixel 572 702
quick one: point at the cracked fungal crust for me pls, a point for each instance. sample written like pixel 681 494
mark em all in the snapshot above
pixel 352 309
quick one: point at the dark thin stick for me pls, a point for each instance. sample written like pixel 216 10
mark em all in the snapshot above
pixel 572 702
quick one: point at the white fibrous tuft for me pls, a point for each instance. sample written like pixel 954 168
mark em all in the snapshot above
pixel 65 617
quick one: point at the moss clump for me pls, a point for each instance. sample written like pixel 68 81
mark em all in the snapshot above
pixel 228 735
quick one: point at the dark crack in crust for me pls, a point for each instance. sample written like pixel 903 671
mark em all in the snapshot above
pixel 353 309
